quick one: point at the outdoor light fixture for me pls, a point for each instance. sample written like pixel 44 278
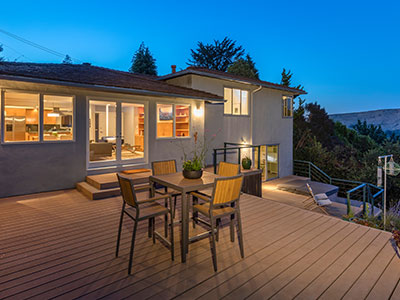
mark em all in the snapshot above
pixel 379 174
pixel 198 111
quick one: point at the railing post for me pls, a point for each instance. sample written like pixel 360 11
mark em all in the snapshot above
pixel 309 170
pixel 259 157
pixel 215 161
pixel 239 156
pixel 364 208
pixel 348 203
pixel 224 152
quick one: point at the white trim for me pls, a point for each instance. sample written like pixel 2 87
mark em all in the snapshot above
pixel 248 101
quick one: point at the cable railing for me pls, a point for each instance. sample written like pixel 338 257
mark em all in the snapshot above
pixel 350 189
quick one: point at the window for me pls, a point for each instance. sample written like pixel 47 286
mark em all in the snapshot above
pixel 57 118
pixel 173 120
pixel 21 117
pixel 132 126
pixel 24 121
pixel 287 104
pixel 237 102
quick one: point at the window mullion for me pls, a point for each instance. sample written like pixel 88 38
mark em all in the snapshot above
pixel 41 119
pixel 3 131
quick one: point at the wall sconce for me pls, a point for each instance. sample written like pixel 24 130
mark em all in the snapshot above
pixel 198 111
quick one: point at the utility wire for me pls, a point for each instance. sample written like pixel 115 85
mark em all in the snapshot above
pixel 16 51
pixel 21 39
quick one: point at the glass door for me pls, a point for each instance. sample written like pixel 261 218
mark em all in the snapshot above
pixel 269 161
pixel 116 132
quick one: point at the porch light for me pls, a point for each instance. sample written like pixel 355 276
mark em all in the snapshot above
pixel 198 111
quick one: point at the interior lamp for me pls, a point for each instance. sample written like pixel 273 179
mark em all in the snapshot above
pixel 54 113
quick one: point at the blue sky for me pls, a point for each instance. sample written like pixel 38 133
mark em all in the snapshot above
pixel 345 53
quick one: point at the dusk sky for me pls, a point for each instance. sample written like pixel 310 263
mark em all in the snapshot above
pixel 345 53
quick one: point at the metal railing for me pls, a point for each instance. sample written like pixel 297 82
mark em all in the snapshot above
pixel 350 189
pixel 234 148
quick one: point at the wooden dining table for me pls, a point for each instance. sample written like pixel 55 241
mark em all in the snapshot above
pixel 177 182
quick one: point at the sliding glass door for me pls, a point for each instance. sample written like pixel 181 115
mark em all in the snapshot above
pixel 269 161
pixel 116 132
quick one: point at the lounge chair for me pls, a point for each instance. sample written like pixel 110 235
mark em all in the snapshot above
pixel 317 201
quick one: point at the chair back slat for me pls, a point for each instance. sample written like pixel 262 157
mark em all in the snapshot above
pixel 227 189
pixel 163 167
pixel 310 190
pixel 228 169
pixel 127 191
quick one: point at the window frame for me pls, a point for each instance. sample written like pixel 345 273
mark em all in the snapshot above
pixel 40 116
pixel 248 102
pixel 173 137
pixel 284 98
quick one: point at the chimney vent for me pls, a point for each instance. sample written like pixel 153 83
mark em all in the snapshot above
pixel 86 64
pixel 173 68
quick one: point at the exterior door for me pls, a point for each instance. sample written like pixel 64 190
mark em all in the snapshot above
pixel 269 161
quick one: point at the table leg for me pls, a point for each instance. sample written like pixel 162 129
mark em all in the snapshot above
pixel 184 226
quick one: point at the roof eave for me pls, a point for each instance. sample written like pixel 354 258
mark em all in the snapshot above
pixel 200 73
pixel 104 87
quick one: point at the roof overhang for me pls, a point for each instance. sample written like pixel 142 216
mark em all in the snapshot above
pixel 218 76
pixel 106 88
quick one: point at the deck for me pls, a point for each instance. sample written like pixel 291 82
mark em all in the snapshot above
pixel 61 245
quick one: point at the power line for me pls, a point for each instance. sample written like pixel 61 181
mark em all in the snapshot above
pixel 43 48
pixel 16 51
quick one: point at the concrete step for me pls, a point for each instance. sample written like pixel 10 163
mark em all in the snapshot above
pixel 94 193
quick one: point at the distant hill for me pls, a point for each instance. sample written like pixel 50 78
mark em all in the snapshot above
pixel 389 119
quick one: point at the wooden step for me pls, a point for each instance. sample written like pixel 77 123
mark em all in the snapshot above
pixel 110 180
pixel 94 193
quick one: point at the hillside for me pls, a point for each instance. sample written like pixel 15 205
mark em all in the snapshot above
pixel 389 119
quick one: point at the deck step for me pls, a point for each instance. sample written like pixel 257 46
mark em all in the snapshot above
pixel 94 193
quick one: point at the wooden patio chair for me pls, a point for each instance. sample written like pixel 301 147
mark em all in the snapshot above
pixel 223 202
pixel 140 210
pixel 164 167
pixel 224 169
pixel 316 201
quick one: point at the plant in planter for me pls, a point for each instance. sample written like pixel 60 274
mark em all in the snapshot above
pixel 246 163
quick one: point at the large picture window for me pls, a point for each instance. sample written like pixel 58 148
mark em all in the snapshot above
pixel 287 104
pixel 173 120
pixel 24 121
pixel 237 102
pixel 21 117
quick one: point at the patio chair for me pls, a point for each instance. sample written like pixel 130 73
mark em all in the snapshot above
pixel 223 202
pixel 224 169
pixel 316 201
pixel 164 167
pixel 140 210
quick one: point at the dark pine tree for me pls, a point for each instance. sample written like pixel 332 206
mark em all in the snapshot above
pixel 245 67
pixel 67 60
pixel 143 62
pixel 217 56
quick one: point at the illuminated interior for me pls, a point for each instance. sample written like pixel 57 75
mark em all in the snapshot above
pixel 57 118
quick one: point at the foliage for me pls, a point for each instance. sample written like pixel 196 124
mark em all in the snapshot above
pixel 374 132
pixel 1 50
pixel 286 79
pixel 217 56
pixel 244 67
pixel 143 62
pixel 67 60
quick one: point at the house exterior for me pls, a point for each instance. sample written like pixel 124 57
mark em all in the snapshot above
pixel 61 122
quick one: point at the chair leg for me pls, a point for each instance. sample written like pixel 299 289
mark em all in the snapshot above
pixel 119 230
pixel 150 230
pixel 232 228
pixel 212 245
pixel 132 247
pixel 153 226
pixel 174 210
pixel 195 214
pixel 218 223
pixel 166 220
pixel 172 239
pixel 239 232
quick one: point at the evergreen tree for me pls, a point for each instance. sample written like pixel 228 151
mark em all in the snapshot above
pixel 286 79
pixel 218 56
pixel 67 60
pixel 143 62
pixel 244 67
pixel 1 50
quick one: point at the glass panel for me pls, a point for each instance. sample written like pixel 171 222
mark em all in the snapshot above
pixel 287 106
pixel 272 162
pixel 182 124
pixel 228 103
pixel 102 130
pixel 132 125
pixel 165 120
pixel 236 102
pixel 57 118
pixel 21 117
pixel 245 103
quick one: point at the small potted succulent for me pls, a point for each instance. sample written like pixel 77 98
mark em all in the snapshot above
pixel 192 169
pixel 246 163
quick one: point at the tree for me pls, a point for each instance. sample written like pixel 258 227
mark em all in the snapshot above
pixel 1 50
pixel 244 67
pixel 286 79
pixel 218 56
pixel 67 60
pixel 143 61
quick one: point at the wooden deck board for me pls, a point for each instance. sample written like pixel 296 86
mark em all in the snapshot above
pixel 62 245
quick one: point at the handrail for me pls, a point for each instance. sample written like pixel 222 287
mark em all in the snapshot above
pixel 306 168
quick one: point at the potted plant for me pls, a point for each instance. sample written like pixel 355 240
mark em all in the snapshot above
pixel 246 163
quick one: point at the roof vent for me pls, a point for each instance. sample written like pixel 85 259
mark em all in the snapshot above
pixel 173 68
pixel 86 64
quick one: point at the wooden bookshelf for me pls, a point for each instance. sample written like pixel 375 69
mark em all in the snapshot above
pixel 182 121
